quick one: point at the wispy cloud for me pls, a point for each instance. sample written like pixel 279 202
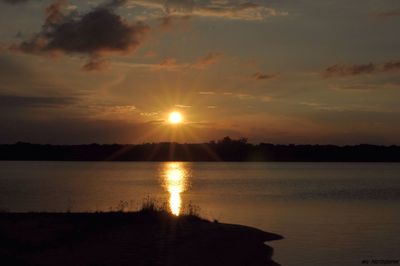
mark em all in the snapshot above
pixel 182 106
pixel 365 86
pixel 236 10
pixel 170 21
pixel 96 63
pixel 208 60
pixel 17 101
pixel 354 70
pixel 149 113
pixel 385 14
pixel 169 63
pixel 263 76
pixel 202 63
pixel 206 92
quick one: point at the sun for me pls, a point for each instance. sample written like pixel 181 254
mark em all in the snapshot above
pixel 175 118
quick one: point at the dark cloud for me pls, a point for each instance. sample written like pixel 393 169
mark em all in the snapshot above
pixel 392 65
pixel 96 33
pixel 15 101
pixel 262 76
pixel 354 70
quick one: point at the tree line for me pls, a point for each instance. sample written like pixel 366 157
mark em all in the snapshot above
pixel 226 149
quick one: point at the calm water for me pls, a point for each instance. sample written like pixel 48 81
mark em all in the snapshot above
pixel 329 213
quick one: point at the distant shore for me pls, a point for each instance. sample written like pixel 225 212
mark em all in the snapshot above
pixel 226 150
pixel 139 238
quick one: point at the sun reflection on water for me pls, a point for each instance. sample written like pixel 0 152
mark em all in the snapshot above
pixel 175 181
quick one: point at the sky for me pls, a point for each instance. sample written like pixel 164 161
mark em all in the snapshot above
pixel 274 71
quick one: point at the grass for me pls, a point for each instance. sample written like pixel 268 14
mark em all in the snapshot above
pixel 150 204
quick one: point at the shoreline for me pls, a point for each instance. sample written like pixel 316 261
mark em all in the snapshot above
pixel 146 237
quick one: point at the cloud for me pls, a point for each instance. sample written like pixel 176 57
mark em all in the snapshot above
pixel 243 11
pixel 168 63
pixel 15 101
pixel 179 6
pixel 236 10
pixel 96 63
pixel 243 96
pixel 385 14
pixel 111 112
pixel 149 113
pixel 202 63
pixel 171 63
pixel 206 92
pixel 391 65
pixel 208 60
pixel 170 21
pixel 114 4
pixel 94 34
pixel 262 76
pixel 182 106
pixel 365 86
pixel 354 70
pixel 14 2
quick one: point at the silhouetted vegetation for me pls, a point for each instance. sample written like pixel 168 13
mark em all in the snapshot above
pixel 226 149
pixel 153 205
pixel 148 237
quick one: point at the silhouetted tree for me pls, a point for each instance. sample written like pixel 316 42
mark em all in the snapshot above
pixel 226 149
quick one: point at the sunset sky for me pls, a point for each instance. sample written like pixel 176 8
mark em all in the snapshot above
pixel 273 71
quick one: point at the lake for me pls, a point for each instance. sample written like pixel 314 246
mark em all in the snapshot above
pixel 329 213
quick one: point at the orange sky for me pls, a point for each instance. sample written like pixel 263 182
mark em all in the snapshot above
pixel 271 71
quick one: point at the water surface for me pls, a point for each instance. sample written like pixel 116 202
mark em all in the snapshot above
pixel 329 213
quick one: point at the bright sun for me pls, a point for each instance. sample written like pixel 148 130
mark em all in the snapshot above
pixel 175 118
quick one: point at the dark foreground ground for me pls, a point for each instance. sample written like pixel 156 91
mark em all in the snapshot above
pixel 138 238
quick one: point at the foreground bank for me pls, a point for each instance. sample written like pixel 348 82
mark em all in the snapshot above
pixel 137 238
